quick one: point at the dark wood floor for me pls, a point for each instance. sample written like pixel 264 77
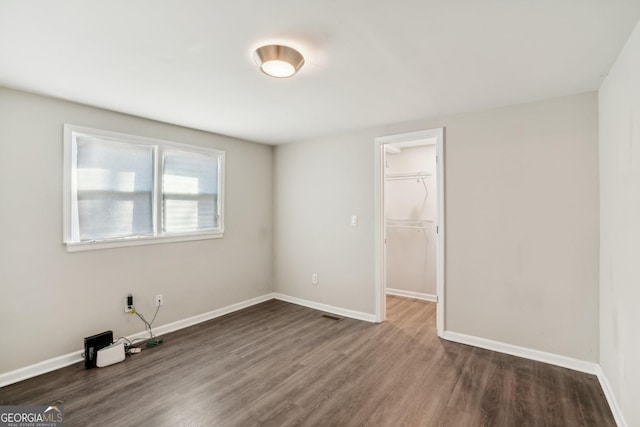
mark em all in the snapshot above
pixel 282 364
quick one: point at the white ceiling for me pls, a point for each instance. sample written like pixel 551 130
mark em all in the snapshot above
pixel 368 62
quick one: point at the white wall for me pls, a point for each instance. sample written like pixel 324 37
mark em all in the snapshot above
pixel 521 214
pixel 318 186
pixel 522 227
pixel 619 104
pixel 51 299
pixel 411 253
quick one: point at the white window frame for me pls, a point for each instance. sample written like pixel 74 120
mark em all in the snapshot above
pixel 71 132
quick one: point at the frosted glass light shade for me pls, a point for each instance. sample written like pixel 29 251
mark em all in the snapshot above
pixel 278 61
pixel 278 68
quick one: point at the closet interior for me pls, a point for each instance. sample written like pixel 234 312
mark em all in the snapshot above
pixel 410 210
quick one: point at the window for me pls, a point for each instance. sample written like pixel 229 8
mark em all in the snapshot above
pixel 122 190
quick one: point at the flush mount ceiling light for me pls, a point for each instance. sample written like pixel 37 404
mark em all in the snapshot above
pixel 278 61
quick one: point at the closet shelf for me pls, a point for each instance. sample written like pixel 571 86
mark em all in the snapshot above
pixel 409 175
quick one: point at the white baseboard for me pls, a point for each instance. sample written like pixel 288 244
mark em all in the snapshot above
pixel 190 321
pixel 75 357
pixel 550 358
pixel 40 368
pixel 410 294
pixel 611 398
pixel 327 308
pixel 528 353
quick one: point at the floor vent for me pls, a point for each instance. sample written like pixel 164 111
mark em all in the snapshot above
pixel 328 316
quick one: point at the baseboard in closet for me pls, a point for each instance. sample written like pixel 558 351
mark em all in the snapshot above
pixel 409 294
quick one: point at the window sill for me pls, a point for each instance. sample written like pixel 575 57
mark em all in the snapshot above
pixel 139 241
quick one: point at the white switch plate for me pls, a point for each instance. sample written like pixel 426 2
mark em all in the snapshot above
pixel 354 220
pixel 314 278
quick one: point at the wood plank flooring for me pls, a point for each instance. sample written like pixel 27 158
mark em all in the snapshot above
pixel 279 364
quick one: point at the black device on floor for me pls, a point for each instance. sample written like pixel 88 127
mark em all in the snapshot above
pixel 93 344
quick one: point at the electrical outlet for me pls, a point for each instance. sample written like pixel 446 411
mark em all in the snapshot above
pixel 159 301
pixel 314 278
pixel 128 304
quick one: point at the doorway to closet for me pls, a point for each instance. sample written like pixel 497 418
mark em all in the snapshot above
pixel 410 219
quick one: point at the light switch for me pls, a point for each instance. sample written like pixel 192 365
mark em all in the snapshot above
pixel 354 220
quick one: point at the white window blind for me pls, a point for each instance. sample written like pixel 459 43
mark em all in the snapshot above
pixel 122 190
pixel 189 191
pixel 114 189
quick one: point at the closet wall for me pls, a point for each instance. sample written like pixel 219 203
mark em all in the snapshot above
pixel 410 220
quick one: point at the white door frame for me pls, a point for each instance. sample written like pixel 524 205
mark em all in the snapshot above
pixel 380 256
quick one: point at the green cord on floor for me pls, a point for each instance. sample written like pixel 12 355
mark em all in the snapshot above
pixel 154 342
